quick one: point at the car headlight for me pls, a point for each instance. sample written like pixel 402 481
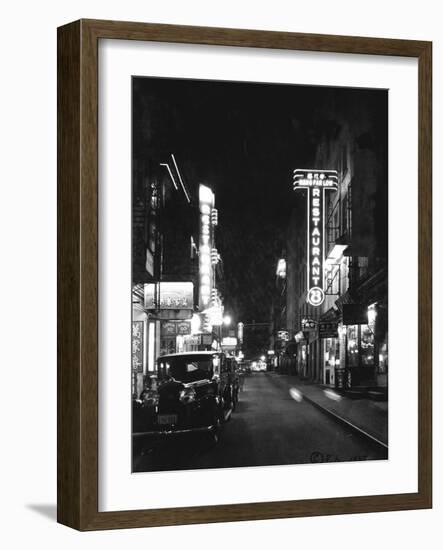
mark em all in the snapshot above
pixel 187 395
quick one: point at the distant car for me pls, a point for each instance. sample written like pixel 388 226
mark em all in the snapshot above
pixel 258 366
pixel 190 392
pixel 262 366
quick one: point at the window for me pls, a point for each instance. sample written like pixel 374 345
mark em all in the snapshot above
pixel 383 358
pixel 352 345
pixel 367 346
pixel 187 369
pixel 332 352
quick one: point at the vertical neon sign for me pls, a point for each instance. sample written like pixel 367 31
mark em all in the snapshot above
pixel 206 200
pixel 315 181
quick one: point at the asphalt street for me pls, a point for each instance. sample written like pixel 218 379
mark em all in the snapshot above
pixel 269 427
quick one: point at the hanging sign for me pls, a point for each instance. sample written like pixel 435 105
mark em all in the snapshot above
pixel 315 181
pixel 184 328
pixel 308 325
pixel 168 328
pixel 175 328
pixel 355 314
pixel 328 329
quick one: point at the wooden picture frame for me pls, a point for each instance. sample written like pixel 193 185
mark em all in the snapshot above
pixel 78 275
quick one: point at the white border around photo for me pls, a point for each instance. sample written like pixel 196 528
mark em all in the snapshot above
pixel 119 489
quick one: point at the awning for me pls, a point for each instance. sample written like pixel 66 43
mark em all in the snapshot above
pixel 330 315
pixel 373 288
pixel 346 298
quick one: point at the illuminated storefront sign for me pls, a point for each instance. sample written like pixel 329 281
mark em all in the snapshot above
pixel 169 295
pixel 316 182
pixel 327 179
pixel 229 343
pixel 206 202
pixel 215 315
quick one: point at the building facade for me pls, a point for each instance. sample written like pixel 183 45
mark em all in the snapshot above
pixel 343 342
pixel 176 306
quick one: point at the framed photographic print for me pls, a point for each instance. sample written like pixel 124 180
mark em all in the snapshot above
pixel 244 275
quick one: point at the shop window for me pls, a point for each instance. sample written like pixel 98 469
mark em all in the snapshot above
pixel 383 359
pixel 302 356
pixel 352 346
pixel 167 345
pixel 332 352
pixel 367 346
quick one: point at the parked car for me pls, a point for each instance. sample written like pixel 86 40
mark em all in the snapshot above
pixel 189 392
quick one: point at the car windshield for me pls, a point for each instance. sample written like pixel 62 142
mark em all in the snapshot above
pixel 189 368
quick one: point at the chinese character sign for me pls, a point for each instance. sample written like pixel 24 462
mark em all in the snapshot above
pixel 137 346
pixel 170 295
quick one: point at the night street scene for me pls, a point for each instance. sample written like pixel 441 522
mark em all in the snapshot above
pixel 259 274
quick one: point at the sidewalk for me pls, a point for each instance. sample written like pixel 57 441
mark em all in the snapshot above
pixel 364 414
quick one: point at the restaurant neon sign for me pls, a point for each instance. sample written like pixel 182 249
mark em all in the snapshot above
pixel 316 182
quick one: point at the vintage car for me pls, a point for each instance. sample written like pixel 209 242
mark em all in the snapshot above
pixel 189 392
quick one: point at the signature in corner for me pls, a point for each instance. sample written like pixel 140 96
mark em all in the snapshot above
pixel 319 457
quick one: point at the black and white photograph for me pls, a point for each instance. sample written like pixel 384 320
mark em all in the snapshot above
pixel 225 216
pixel 259 274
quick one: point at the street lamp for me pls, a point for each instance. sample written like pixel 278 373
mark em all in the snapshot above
pixel 227 320
pixel 372 314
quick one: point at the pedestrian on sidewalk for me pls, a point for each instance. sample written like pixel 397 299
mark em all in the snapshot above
pixel 241 379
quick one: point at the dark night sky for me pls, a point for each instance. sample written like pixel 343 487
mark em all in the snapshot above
pixel 243 140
